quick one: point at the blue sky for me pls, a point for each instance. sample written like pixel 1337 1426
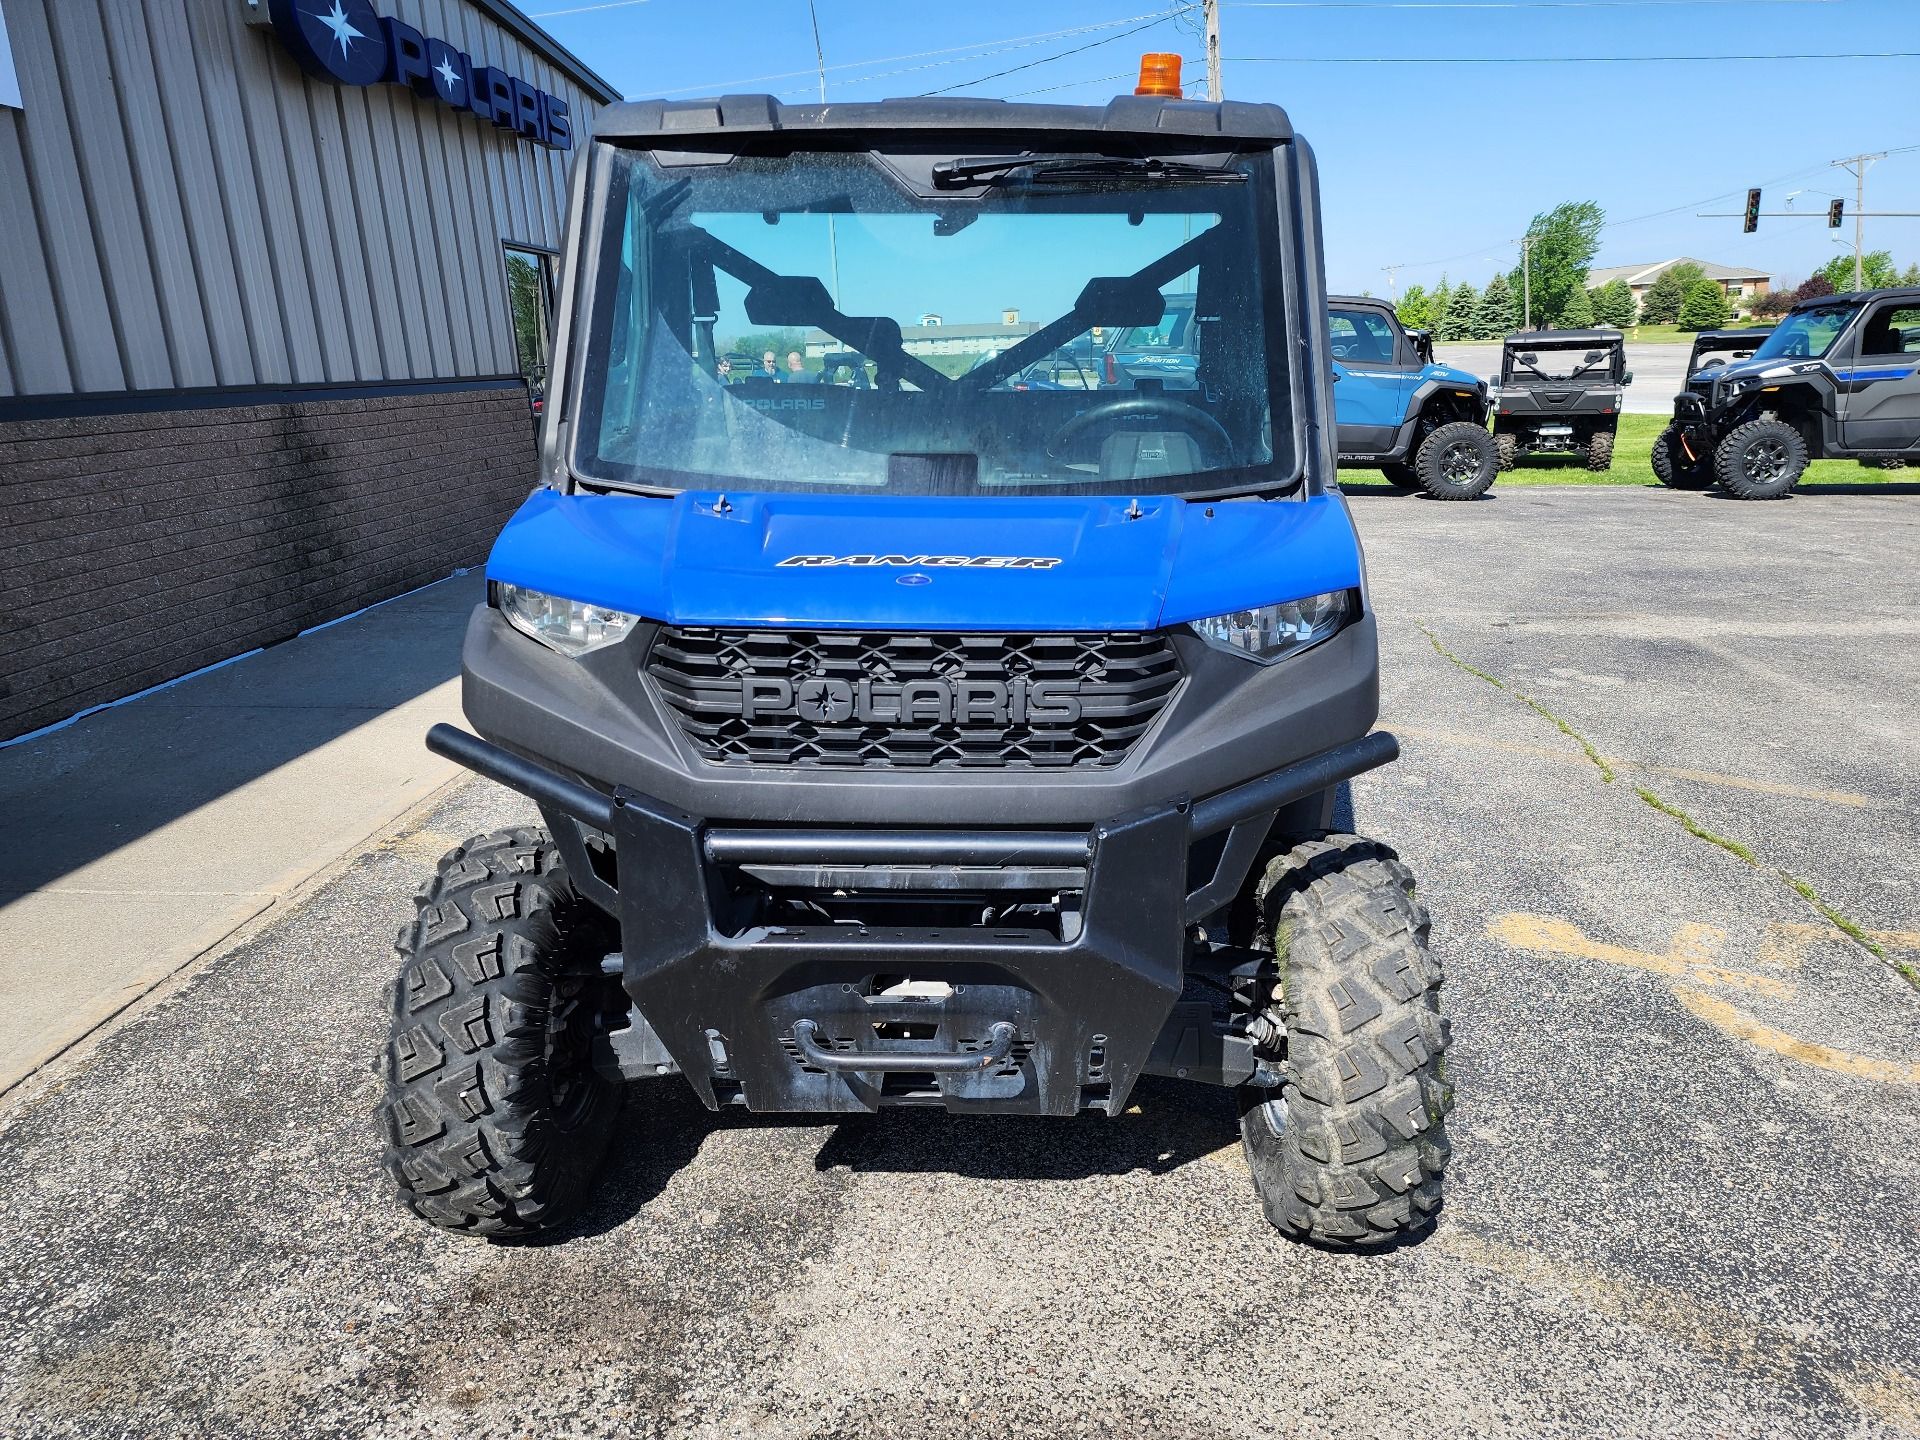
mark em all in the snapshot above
pixel 1433 167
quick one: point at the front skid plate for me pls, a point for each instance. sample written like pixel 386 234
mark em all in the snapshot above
pixel 1086 1013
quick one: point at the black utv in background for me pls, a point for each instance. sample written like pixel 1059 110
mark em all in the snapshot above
pixel 1839 378
pixel 1714 348
pixel 1559 391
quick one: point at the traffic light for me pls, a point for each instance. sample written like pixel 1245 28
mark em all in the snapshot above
pixel 1834 212
pixel 1753 212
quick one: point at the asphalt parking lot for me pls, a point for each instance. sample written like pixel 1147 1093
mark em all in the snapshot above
pixel 1688 1134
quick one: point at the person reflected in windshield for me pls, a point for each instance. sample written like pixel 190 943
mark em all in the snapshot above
pixel 723 368
pixel 770 366
pixel 796 369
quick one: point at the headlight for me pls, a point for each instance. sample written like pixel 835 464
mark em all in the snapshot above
pixel 570 626
pixel 1273 632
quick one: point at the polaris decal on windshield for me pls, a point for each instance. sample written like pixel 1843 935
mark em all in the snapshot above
pixel 926 562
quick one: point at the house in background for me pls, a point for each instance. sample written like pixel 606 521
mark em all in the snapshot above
pixel 934 337
pixel 1743 286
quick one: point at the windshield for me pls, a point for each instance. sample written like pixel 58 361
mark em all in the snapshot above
pixel 1806 334
pixel 1557 362
pixel 1101 329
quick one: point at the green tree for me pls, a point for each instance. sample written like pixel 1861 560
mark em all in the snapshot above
pixel 1438 304
pixel 1613 304
pixel 1458 324
pixel 1877 271
pixel 1415 308
pixel 1565 240
pixel 1577 313
pixel 1662 302
pixel 1705 306
pixel 1494 317
pixel 1911 275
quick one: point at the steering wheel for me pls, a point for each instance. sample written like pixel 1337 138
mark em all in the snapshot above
pixel 1144 407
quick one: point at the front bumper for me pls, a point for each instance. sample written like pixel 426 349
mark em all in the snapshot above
pixel 1690 413
pixel 1006 1018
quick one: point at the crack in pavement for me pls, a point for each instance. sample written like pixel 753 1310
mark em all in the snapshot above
pixel 1847 926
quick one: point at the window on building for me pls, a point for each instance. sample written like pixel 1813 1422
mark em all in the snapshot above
pixel 530 302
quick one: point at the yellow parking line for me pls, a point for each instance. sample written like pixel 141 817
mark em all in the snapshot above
pixel 1850 799
pixel 1723 1016
pixel 1686 958
pixel 1688 963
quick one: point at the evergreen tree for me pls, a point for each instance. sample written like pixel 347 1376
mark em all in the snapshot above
pixel 1613 304
pixel 1661 305
pixel 1577 313
pixel 1415 308
pixel 1705 306
pixel 1460 306
pixel 1495 317
pixel 1911 275
pixel 1437 305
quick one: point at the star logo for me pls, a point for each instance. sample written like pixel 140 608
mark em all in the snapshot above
pixel 343 32
pixel 448 75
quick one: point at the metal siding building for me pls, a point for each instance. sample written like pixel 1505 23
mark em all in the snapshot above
pixel 202 239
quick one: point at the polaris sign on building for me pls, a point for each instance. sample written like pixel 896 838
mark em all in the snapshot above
pixel 345 40
pixel 273 317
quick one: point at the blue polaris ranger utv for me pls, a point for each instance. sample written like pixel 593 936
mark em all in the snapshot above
pixel 934 741
pixel 1422 423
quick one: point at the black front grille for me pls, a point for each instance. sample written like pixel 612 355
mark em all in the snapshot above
pixel 865 698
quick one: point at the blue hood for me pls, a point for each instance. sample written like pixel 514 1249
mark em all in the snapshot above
pixel 680 560
pixel 1450 374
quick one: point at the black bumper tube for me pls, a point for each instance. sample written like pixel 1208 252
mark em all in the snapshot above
pixel 784 1018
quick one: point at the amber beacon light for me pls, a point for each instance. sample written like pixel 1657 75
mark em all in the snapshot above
pixel 1159 75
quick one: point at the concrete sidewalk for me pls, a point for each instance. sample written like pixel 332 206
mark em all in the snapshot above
pixel 145 834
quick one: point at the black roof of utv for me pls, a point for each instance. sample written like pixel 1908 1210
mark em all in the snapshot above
pixel 733 117
pixel 1528 339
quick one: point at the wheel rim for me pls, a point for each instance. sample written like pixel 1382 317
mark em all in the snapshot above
pixel 1765 460
pixel 567 1050
pixel 1460 462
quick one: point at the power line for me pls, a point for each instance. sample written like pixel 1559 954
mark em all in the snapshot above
pixel 1496 4
pixel 1482 248
pixel 974 50
pixel 1159 19
pixel 1562 59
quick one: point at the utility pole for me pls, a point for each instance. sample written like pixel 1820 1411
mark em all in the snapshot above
pixel 1211 9
pixel 1526 281
pixel 1393 280
pixel 1857 165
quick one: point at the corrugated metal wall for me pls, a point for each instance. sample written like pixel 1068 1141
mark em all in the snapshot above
pixel 181 206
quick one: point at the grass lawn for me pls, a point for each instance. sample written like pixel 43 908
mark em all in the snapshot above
pixel 1632 465
pixel 1674 335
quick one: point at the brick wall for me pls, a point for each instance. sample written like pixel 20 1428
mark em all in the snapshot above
pixel 137 547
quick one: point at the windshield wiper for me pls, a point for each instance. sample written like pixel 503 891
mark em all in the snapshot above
pixel 954 174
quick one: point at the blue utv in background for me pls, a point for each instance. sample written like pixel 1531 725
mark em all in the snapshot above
pixel 947 741
pixel 1421 423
